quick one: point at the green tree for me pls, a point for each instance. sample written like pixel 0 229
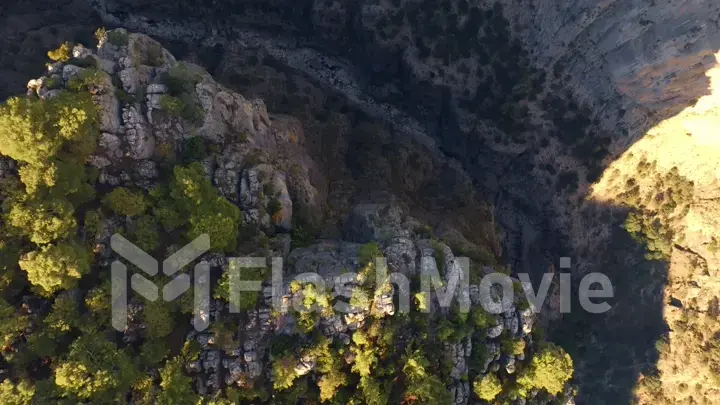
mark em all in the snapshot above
pixel 283 372
pixel 12 324
pixel 218 218
pixel 421 384
pixel 65 314
pixel 374 391
pixel 126 202
pixel 207 211
pixel 152 352
pixel 144 232
pixel 176 386
pixel 241 300
pixel 43 221
pixel 487 387
pixel 97 303
pixel 549 370
pixel 34 130
pixel 56 267
pixel 95 370
pixel 21 393
pixel 330 366
pixel 158 318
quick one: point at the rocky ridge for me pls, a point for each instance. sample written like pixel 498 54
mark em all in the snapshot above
pixel 257 160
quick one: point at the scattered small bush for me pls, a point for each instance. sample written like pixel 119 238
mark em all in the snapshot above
pixel 118 37
pixel 178 107
pixel 52 82
pixel 101 35
pixel 61 54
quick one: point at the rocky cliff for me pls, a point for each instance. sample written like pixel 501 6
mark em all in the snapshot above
pixel 178 153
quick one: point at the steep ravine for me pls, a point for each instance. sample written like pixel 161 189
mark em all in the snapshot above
pixel 523 207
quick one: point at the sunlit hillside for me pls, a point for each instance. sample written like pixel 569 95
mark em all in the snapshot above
pixel 671 180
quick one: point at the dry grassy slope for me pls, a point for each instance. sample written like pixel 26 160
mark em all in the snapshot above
pixel 689 141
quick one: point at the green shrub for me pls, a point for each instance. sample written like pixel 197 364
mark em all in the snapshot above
pixel 12 323
pixel 178 107
pixel 152 352
pixel 368 252
pixel 283 372
pixel 439 253
pixel 169 217
pixel 93 223
pixel 145 233
pixel 179 80
pixel 94 370
pixel 61 54
pixel 21 393
pixel 89 79
pixel 241 300
pixel 194 149
pixel 206 211
pixel 154 55
pixel 118 37
pixel 125 202
pixel 514 347
pixel 53 82
pixel 158 318
pixel 124 97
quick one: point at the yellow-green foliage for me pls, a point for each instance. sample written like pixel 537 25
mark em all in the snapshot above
pixel 101 35
pixel 95 370
pixel 55 267
pixel 514 347
pixel 422 384
pixel 283 372
pixel 207 212
pixel 33 130
pixel 43 221
pixel 172 105
pixel 549 370
pixel 21 393
pixel 61 54
pixel 65 314
pixel 90 79
pixel 658 207
pixel 329 365
pixel 487 387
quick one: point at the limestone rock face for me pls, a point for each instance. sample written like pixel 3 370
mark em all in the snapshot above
pixel 625 54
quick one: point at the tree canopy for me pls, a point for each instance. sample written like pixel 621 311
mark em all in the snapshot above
pixel 56 267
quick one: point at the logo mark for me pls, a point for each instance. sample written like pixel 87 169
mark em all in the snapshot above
pixel 148 290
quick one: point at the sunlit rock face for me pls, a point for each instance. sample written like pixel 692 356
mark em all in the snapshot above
pixel 647 58
pixel 687 144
